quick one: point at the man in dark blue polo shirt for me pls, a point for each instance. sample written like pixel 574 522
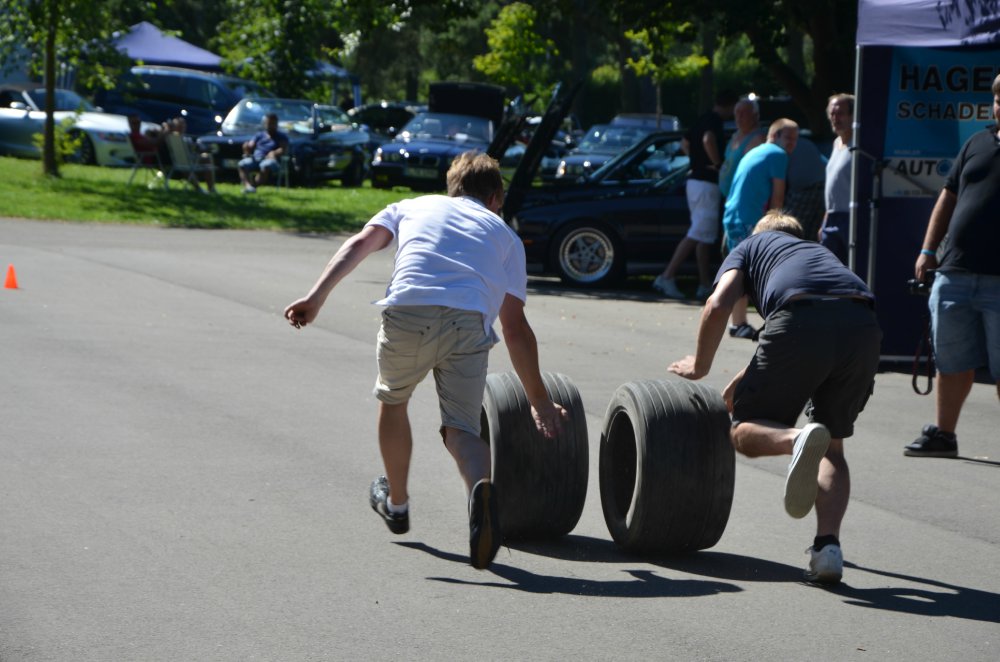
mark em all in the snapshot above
pixel 819 347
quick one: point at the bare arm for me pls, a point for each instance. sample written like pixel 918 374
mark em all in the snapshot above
pixel 714 317
pixel 936 230
pixel 523 350
pixel 372 238
pixel 711 148
pixel 777 194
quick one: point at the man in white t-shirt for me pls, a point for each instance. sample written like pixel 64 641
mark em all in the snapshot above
pixel 458 268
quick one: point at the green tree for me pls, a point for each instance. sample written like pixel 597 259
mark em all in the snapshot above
pixel 518 56
pixel 775 31
pixel 72 33
pixel 277 42
pixel 661 54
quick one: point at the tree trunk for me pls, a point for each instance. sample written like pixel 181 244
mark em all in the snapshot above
pixel 49 164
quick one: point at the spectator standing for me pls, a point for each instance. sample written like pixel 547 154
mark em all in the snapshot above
pixel 262 155
pixel 837 191
pixel 758 185
pixel 804 198
pixel 458 267
pixel 748 135
pixel 704 144
pixel 963 233
pixel 820 345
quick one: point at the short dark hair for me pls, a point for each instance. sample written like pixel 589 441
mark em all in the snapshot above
pixel 475 174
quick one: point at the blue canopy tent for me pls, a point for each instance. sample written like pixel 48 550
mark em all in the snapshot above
pixel 146 43
pixel 924 72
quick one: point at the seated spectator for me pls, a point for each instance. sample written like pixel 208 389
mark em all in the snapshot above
pixel 262 155
pixel 178 125
pixel 145 143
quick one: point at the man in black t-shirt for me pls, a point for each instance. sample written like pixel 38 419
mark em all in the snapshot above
pixel 819 347
pixel 705 145
pixel 963 233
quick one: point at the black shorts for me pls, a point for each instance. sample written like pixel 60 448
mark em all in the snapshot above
pixel 823 350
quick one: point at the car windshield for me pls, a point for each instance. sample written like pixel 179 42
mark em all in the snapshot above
pixel 445 126
pixel 65 100
pixel 607 139
pixel 660 158
pixel 293 115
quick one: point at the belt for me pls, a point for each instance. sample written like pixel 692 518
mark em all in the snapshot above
pixel 819 301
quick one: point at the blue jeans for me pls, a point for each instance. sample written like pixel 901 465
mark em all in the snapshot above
pixel 965 319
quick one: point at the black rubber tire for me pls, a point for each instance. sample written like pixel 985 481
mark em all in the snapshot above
pixel 354 175
pixel 541 483
pixel 85 154
pixel 667 468
pixel 587 255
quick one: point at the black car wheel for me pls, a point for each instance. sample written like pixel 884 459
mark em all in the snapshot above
pixel 85 152
pixel 587 255
pixel 354 175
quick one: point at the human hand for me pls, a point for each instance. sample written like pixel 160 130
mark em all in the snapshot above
pixel 549 419
pixel 300 313
pixel 686 368
pixel 924 263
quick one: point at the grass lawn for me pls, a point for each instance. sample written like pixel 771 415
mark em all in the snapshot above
pixel 102 195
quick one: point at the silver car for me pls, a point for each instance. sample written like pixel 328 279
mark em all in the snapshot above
pixel 22 116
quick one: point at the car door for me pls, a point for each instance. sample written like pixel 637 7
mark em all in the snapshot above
pixel 18 127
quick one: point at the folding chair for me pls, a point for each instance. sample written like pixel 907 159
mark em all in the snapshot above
pixel 183 161
pixel 284 167
pixel 148 161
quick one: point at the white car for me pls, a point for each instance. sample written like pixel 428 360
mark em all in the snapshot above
pixel 22 116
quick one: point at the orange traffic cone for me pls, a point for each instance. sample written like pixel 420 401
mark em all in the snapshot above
pixel 11 282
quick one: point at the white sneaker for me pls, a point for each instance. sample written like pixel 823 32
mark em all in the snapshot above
pixel 800 485
pixel 825 566
pixel 668 288
pixel 249 189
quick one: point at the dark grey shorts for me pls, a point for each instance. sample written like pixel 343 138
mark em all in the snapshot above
pixel 826 351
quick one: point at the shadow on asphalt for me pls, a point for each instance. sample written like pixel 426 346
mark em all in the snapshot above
pixel 939 599
pixel 643 583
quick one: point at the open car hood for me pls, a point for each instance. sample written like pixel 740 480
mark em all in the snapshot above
pixel 520 182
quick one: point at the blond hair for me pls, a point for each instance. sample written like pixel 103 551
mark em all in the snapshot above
pixel 475 174
pixel 779 221
pixel 996 86
pixel 846 98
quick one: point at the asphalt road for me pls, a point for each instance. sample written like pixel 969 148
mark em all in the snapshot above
pixel 183 477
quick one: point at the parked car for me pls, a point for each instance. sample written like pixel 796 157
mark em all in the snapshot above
pixel 460 117
pixel 22 116
pixel 625 218
pixel 323 142
pixel 602 141
pixel 159 93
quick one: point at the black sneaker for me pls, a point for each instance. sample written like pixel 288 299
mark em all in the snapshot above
pixel 484 525
pixel 743 331
pixel 377 496
pixel 933 443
